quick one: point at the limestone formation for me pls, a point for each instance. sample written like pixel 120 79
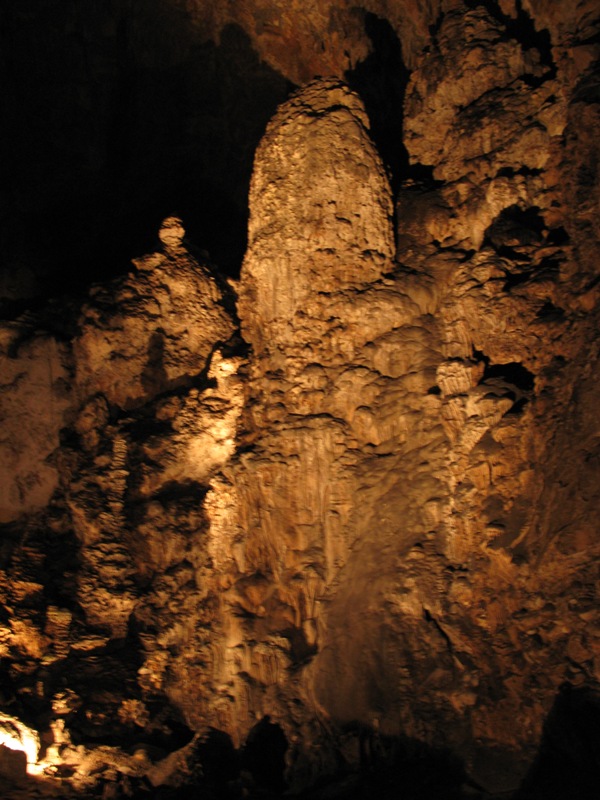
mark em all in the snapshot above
pixel 34 402
pixel 332 522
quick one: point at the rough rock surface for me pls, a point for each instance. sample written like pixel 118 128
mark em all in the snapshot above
pixel 34 399
pixel 346 507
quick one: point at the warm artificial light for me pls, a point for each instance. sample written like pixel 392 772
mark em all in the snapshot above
pixel 15 735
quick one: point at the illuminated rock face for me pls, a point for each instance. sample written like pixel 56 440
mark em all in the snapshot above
pixel 356 489
pixel 152 341
pixel 344 352
pixel 393 499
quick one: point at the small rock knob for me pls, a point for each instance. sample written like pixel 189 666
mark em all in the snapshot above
pixel 171 233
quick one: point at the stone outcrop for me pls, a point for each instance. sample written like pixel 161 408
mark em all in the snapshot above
pixel 345 507
pixel 33 409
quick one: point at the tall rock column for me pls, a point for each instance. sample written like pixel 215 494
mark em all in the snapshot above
pixel 343 356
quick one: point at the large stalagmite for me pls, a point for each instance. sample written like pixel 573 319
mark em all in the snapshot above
pixel 343 356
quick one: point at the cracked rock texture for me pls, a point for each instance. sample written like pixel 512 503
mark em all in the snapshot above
pixel 354 493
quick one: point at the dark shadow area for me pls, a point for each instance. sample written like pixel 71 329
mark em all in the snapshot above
pixel 516 235
pixel 390 768
pixel 381 81
pixel 515 227
pixel 551 313
pixel 512 373
pixel 510 379
pixel 115 116
pixel 568 763
pixel 380 767
pixel 154 375
pixel 216 764
pixel 263 756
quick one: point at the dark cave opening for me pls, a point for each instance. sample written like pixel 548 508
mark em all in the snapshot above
pixel 126 120
pixel 263 755
pixel 513 373
pixel 518 235
pixel 381 81
pixel 515 227
pixel 568 761
pixel 137 120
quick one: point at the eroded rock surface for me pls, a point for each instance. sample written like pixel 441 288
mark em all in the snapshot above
pixel 34 401
pixel 347 505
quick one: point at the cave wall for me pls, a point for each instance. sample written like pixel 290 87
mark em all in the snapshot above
pixel 356 487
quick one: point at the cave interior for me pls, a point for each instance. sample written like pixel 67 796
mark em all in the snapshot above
pixel 299 440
